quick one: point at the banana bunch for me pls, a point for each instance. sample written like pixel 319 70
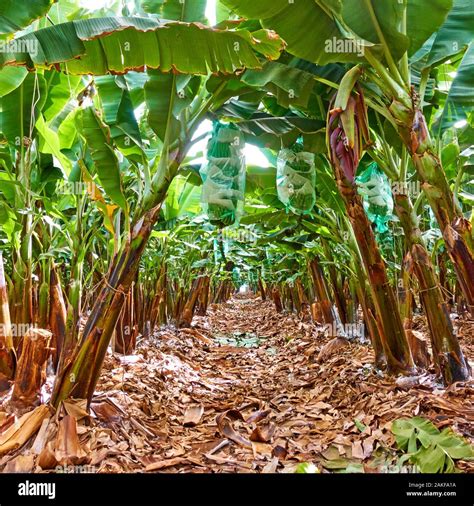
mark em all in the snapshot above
pixel 296 179
pixel 223 175
pixel 374 187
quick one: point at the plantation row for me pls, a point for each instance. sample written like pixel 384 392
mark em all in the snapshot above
pixel 111 227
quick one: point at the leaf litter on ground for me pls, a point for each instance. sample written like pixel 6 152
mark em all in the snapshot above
pixel 246 389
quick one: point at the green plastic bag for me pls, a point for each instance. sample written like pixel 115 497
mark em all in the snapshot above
pixel 223 175
pixel 296 179
pixel 374 187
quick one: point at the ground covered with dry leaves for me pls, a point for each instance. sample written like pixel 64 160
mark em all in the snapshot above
pixel 244 390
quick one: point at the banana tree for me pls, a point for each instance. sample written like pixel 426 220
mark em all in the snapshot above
pixel 347 130
pixel 447 353
pixel 176 102
pixel 384 37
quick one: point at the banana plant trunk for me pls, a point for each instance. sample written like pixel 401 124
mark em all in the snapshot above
pixel 80 376
pixel 7 358
pixel 322 293
pixel 368 310
pixel 277 299
pixel 203 299
pixel 62 342
pixel 405 295
pixel 443 277
pixel 261 289
pixel 456 229
pixel 186 317
pixel 395 343
pixel 447 353
pixel 337 284
pixel 125 330
pixel 158 307
pixel 30 373
pixel 347 132
pixel 373 327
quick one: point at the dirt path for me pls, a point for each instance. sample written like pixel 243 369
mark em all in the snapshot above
pixel 200 401
pixel 245 390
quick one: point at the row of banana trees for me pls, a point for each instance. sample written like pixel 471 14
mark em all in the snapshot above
pixel 383 78
pixel 99 198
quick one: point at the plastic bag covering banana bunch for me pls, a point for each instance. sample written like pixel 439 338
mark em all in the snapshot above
pixel 223 175
pixel 374 186
pixel 296 179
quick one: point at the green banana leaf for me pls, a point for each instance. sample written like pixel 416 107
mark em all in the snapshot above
pixel 344 20
pixel 460 100
pixel 97 137
pixel 17 14
pixel 117 45
pixel 177 10
pixel 118 108
pixel 160 94
pixel 454 35
pixel 10 79
pixel 20 107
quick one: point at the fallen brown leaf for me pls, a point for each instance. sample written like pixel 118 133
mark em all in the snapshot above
pixel 193 415
pixel 67 447
pixel 263 433
pixel 23 429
